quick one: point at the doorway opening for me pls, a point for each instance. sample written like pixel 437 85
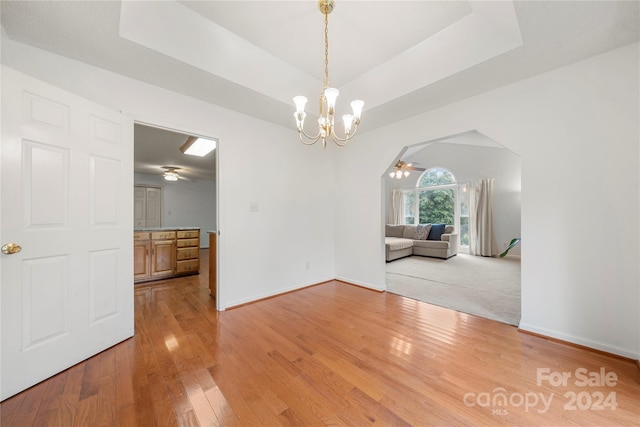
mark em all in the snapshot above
pixel 486 285
pixel 188 184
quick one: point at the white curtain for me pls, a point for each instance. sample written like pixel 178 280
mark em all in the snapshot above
pixel 396 210
pixel 482 239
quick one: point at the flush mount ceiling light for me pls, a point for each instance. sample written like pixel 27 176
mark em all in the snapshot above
pixel 327 100
pixel 200 147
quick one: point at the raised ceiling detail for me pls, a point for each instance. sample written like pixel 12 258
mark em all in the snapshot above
pixel 402 57
pixel 463 37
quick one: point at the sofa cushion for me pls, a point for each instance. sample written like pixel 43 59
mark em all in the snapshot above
pixel 409 231
pixel 392 230
pixel 436 231
pixel 432 244
pixel 422 231
pixel 448 229
pixel 397 243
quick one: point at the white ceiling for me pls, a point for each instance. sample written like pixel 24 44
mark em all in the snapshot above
pixel 155 148
pixel 401 57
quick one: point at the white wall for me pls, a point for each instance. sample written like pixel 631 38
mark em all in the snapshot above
pixel 471 163
pixel 185 203
pixel 576 131
pixel 575 128
pixel 260 254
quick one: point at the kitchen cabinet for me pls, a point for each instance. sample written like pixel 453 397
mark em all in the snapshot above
pixel 165 253
pixel 188 251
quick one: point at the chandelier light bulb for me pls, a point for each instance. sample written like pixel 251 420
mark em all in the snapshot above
pixel 348 122
pixel 331 94
pixel 300 102
pixel 356 106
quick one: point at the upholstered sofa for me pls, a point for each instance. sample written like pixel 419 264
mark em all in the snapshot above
pixel 432 240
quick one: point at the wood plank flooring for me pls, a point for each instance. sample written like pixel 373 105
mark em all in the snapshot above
pixel 332 354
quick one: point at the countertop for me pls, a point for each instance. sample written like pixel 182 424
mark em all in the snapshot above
pixel 164 228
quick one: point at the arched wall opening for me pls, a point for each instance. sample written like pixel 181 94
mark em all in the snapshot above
pixel 469 156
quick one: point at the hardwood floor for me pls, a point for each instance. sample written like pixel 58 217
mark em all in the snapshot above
pixel 332 354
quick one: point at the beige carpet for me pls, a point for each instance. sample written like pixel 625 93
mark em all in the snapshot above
pixel 486 287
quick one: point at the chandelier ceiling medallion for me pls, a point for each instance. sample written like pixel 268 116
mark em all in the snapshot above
pixel 327 100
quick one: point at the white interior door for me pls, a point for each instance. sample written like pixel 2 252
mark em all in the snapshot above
pixel 139 206
pixel 154 207
pixel 67 191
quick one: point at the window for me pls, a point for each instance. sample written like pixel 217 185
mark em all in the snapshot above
pixel 463 199
pixel 439 199
pixel 436 176
pixel 409 207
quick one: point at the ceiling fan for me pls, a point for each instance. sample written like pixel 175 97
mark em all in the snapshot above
pixel 171 173
pixel 401 169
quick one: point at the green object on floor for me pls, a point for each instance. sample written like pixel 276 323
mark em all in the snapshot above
pixel 511 245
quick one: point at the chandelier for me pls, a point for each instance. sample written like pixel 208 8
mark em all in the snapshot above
pixel 327 102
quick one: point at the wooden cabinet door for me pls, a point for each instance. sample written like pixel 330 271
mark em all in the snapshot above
pixel 141 259
pixel 163 254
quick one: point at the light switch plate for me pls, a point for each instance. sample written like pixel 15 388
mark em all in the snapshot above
pixel 254 207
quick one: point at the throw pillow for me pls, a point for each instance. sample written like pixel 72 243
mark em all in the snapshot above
pixel 409 231
pixel 394 230
pixel 422 232
pixel 436 231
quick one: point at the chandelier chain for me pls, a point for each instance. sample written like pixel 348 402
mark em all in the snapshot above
pixel 326 47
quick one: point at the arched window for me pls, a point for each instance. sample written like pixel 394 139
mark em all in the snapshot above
pixel 438 199
pixel 436 176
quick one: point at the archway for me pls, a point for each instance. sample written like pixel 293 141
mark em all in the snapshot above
pixel 488 287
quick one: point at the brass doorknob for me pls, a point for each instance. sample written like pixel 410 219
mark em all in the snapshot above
pixel 11 248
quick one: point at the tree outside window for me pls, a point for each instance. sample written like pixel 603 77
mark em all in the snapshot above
pixel 437 206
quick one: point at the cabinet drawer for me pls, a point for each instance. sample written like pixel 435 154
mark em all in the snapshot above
pixel 140 235
pixel 163 235
pixel 188 234
pixel 188 266
pixel 183 243
pixel 187 253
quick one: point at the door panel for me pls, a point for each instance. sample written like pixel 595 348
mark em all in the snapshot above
pixel 139 205
pixel 44 310
pixel 141 259
pixel 66 191
pixel 104 191
pixel 154 207
pixel 162 257
pixel 45 178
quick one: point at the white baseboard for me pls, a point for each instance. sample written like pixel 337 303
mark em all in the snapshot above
pixel 363 284
pixel 580 341
pixel 277 292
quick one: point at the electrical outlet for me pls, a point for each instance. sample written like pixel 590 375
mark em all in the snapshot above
pixel 307 266
pixel 254 207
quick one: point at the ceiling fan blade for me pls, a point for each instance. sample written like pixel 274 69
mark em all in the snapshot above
pixel 413 168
